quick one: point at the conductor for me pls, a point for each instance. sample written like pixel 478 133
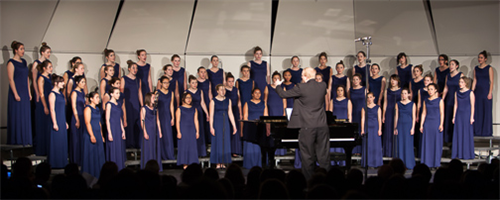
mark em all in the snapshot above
pixel 309 115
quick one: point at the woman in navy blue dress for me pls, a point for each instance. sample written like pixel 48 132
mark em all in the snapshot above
pixel 483 89
pixel 58 154
pixel 110 60
pixel 199 104
pixel 45 52
pixel 186 118
pixel 404 70
pixel 339 79
pixel 463 118
pixel 341 107
pixel 376 84
pixel 358 99
pixel 275 104
pixel 173 86
pixel 205 86
pixel 77 121
pixel 67 75
pixel 151 131
pixel 288 85
pixel 323 69
pixel 179 75
pixel 319 78
pixel 71 85
pixel 42 140
pixel 361 67
pixel 19 106
pixel 431 128
pixel 131 88
pixel 109 71
pixel 216 75
pixel 422 96
pixel 391 96
pixel 221 114
pixel 115 150
pixel 93 141
pixel 144 71
pixel 450 88
pixel 259 70
pixel 295 70
pixel 374 131
pixel 404 128
pixel 416 84
pixel 441 72
pixel 233 94
pixel 252 110
pixel 245 85
pixel 166 118
pixel 116 82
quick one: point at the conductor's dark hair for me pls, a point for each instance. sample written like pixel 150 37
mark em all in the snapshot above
pixel 174 56
pixel 323 54
pixel 484 53
pixel 139 51
pixel 184 98
pixel 108 51
pixel 244 67
pixel 276 73
pixel 56 79
pixel 396 77
pixel 445 57
pixel 400 55
pixel 113 80
pixel 166 66
pixel 43 65
pixel 257 48
pixel 456 63
pixel 212 58
pixel 79 78
pixel 44 47
pixel 15 46
pixel 147 99
pixel 229 75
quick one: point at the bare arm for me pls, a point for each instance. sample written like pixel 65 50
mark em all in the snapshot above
pixel 268 76
pixel 245 117
pixel 385 106
pixel 473 88
pixel 411 91
pixel 150 81
pixel 435 77
pixel 379 117
pixel 34 76
pixel 266 94
pixel 185 81
pixel 396 116
pixel 124 109
pixel 382 89
pixel 196 125
pixel 108 124
pixel 362 121
pixel 178 122
pixel 68 89
pixel 158 125
pixel 284 107
pixel 349 111
pixel 177 92
pixel 239 105
pixel 331 106
pixel 212 130
pixel 231 118
pixel 87 115
pixel 122 85
pixel 103 88
pixel 105 100
pixel 472 107
pixel 66 78
pixel 172 113
pixel 441 112
pixel 203 105
pixel 41 83
pixel 10 74
pixel 419 105
pixel 413 113
pixel 73 107
pixel 101 72
pixel 422 119
pixel 143 123
pixel 445 91
pixel 140 94
pixel 454 109
pixel 490 96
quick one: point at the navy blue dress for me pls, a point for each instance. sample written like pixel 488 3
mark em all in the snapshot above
pixel 143 75
pixel 117 69
pixel 336 81
pixel 375 87
pixel 340 110
pixel 405 75
pixel 93 153
pixel 75 136
pixel 258 73
pixel 423 96
pixel 358 100
pixel 405 139
pixel 296 75
pixel 165 117
pixel 179 77
pixel 18 127
pixel 221 142
pixel 115 150
pixel 441 78
pixel 58 154
pixel 415 87
pixel 236 144
pixel 205 86
pixel 42 123
pixel 151 148
pixel 374 146
pixel 251 151
pixel 449 103
pixel 187 152
pixel 245 88
pixel 388 132
pixel 325 72
pixel 196 103
pixel 215 79
pixel 432 138
pixel 483 113
pixel 275 108
pixel 108 86
pixel 463 135
pixel 362 71
pixel 289 101
pixel 132 105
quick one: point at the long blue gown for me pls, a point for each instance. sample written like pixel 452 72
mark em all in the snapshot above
pixel 179 77
pixel 196 103
pixel 151 148
pixel 143 75
pixel 375 87
pixel 115 151
pixel 335 83
pixel 289 101
pixel 358 100
pixel 340 110
pixel 215 79
pixel 449 103
pixel 423 96
pixel 132 105
pixel 415 87
pixel 463 135
pixel 58 154
pixel 388 132
pixel 325 72
pixel 221 142
pixel 432 138
pixel 236 144
pixel 441 78
pixel 405 139
pixel 93 153
pixel 18 112
pixel 165 117
pixel 187 152
pixel 251 151
pixel 205 86
pixel 258 73
pixel 245 88
pixel 296 75
pixel 75 136
pixel 42 122
pixel 374 146
pixel 362 71
pixel 107 85
pixel 116 67
pixel 405 75
pixel 275 108
pixel 483 113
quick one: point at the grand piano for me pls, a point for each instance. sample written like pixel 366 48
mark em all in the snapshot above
pixel 342 134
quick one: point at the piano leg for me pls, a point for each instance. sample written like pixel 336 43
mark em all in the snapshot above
pixel 268 152
pixel 348 156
